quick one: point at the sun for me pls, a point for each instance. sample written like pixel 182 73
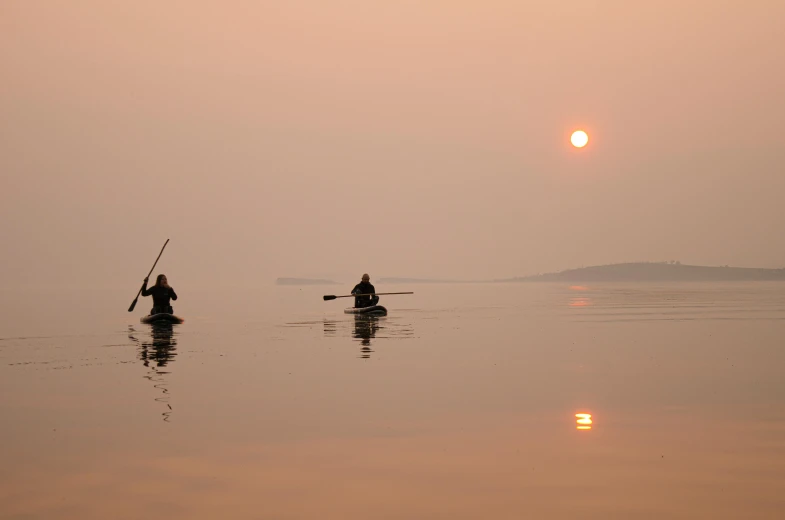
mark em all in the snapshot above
pixel 579 138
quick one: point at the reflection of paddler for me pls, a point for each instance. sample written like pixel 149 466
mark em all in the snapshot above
pixel 365 328
pixel 162 349
pixel 159 351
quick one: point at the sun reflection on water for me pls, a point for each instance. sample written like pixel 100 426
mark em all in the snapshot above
pixel 583 421
pixel 579 301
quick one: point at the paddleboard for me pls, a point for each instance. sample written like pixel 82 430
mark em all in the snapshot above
pixel 162 318
pixel 373 310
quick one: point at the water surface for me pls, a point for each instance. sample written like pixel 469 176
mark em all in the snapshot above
pixel 461 403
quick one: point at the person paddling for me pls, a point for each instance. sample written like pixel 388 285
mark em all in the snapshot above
pixel 161 293
pixel 363 288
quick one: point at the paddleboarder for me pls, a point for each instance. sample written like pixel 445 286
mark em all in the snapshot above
pixel 363 288
pixel 161 293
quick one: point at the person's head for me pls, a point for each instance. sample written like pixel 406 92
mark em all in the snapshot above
pixel 366 278
pixel 161 281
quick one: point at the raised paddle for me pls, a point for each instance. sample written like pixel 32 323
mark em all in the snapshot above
pixel 133 303
pixel 332 296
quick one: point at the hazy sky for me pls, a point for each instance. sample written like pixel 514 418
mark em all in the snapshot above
pixel 427 138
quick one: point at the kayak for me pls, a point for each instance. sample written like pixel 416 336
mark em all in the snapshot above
pixel 162 318
pixel 373 310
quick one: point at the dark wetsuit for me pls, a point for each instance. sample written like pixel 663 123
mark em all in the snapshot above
pixel 161 296
pixel 364 301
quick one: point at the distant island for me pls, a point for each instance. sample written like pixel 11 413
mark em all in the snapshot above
pixel 657 272
pixel 303 281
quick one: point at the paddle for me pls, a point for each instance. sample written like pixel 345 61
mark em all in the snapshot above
pixel 133 303
pixel 332 296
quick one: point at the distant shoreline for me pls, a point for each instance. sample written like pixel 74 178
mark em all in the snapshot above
pixel 624 272
pixel 657 272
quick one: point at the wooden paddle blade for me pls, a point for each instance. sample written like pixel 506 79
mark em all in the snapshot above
pixel 133 304
pixel 328 297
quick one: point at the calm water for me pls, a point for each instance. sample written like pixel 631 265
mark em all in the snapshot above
pixel 460 404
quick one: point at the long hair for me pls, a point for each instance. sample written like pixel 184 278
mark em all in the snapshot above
pixel 158 280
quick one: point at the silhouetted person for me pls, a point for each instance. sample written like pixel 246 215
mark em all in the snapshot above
pixel 364 287
pixel 161 293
